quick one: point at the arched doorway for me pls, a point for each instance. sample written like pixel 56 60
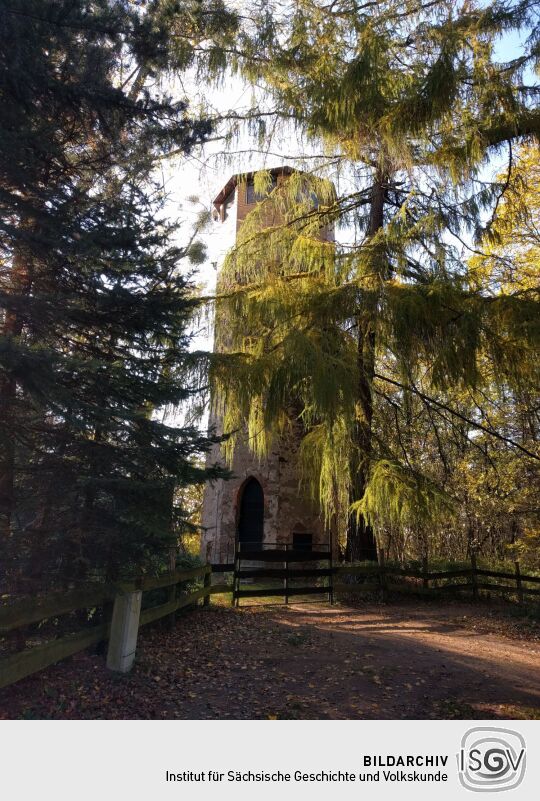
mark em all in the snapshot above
pixel 251 513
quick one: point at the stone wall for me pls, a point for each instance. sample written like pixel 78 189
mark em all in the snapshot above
pixel 286 509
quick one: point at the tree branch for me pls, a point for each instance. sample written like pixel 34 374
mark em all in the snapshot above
pixel 453 412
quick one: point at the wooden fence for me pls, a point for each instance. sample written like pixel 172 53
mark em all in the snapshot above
pixel 297 563
pixel 121 628
pixel 381 577
pixel 385 578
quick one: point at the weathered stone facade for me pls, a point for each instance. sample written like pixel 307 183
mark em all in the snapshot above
pixel 285 511
pixel 288 516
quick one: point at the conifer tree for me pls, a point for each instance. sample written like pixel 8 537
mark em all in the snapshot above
pixel 409 99
pixel 95 299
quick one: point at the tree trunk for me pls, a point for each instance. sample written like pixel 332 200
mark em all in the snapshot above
pixel 20 284
pixel 360 538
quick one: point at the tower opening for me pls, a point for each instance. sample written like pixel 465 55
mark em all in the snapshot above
pixel 251 513
pixel 302 540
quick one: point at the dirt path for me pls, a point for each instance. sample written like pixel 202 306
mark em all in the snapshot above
pixel 414 661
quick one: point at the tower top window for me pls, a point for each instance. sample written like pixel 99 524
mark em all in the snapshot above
pixel 255 197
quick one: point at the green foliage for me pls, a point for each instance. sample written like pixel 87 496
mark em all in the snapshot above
pixel 387 350
pixel 322 457
pixel 396 496
pixel 95 298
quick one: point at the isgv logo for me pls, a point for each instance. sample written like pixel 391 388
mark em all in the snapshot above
pixel 491 760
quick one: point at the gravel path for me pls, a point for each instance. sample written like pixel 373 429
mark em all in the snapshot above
pixel 303 662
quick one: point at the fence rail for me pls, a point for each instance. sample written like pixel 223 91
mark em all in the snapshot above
pixel 283 563
pixel 27 612
pixel 295 563
pixel 282 555
pixel 122 638
pixel 382 572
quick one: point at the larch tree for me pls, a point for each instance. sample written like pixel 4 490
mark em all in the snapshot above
pixel 507 263
pixel 409 101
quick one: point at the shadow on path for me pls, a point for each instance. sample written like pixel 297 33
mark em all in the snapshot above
pixel 304 662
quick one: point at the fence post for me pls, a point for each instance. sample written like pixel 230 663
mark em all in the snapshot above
pixel 172 591
pixel 519 585
pixel 474 579
pixel 236 579
pixel 286 584
pixel 207 585
pixel 124 631
pixel 331 577
pixel 425 569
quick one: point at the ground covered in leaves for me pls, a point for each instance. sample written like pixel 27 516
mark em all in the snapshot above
pixel 304 662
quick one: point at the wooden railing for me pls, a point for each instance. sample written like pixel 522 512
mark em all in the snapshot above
pixel 381 576
pixel 293 560
pixel 121 630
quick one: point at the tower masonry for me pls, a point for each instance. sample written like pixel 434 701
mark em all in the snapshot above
pixel 262 502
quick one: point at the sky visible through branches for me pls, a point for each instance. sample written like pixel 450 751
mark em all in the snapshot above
pixel 194 181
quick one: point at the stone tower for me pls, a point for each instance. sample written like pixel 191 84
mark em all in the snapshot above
pixel 262 502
